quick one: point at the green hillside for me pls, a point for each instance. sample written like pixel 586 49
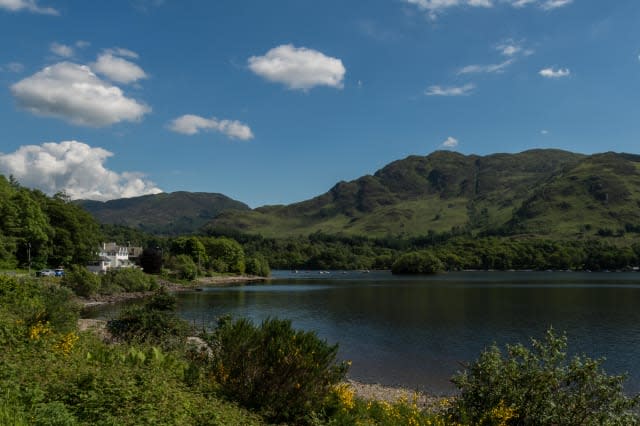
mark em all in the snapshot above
pixel 439 192
pixel 542 192
pixel 167 213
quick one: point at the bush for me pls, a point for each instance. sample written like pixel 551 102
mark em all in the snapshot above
pixel 153 322
pixel 185 267
pixel 258 266
pixel 282 373
pixel 33 302
pixel 417 262
pixel 129 280
pixel 81 281
pixel 540 386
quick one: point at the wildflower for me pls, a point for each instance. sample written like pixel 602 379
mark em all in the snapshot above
pixel 345 395
pixel 38 330
pixel 67 343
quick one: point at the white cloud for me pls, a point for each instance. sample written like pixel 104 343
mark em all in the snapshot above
pixel 118 69
pixel 28 5
pixel 190 124
pixel 125 53
pixel 554 4
pixel 298 68
pixel 451 142
pixel 544 132
pixel 435 7
pixel 522 3
pixel 553 73
pixel 82 44
pixel 490 68
pixel 62 50
pixel 73 93
pixel 73 167
pixel 450 90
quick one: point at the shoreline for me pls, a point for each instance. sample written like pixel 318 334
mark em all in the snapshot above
pixel 219 281
pixel 393 394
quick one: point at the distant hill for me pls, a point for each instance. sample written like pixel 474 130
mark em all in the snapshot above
pixel 542 192
pixel 167 213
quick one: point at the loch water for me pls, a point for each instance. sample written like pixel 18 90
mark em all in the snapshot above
pixel 417 331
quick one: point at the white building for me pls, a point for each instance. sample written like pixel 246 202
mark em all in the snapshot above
pixel 113 256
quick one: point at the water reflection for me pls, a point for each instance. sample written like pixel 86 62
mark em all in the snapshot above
pixel 416 331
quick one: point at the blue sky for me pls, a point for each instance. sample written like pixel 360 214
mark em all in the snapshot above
pixel 274 102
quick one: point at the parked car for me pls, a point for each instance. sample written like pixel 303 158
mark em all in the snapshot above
pixel 59 272
pixel 46 273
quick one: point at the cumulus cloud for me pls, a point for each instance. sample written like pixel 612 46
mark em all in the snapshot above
pixel 450 142
pixel 27 5
pixel 117 68
pixel 73 93
pixel 62 50
pixel 73 167
pixel 450 90
pixel 190 124
pixel 298 67
pixel 553 73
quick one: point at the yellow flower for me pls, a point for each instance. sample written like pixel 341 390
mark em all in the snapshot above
pixel 67 343
pixel 345 395
pixel 38 330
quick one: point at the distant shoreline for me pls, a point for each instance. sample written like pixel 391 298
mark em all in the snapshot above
pixel 106 299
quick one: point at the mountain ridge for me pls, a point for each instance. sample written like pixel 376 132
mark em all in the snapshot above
pixel 546 192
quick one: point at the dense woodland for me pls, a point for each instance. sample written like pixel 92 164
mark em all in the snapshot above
pixel 48 231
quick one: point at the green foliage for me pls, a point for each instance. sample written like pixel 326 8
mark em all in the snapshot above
pixel 43 231
pixel 154 322
pixel 282 373
pixel 184 266
pixel 51 376
pixel 423 262
pixel 226 255
pixel 128 280
pixel 190 246
pixel 542 386
pixel 258 266
pixel 81 281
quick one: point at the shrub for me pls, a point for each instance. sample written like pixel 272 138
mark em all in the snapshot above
pixel 129 279
pixel 540 386
pixel 417 262
pixel 258 266
pixel 33 302
pixel 81 281
pixel 153 322
pixel 185 267
pixel 282 373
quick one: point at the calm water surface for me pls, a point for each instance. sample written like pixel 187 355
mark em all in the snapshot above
pixel 416 331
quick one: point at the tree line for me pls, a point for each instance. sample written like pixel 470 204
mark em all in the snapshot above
pixel 39 231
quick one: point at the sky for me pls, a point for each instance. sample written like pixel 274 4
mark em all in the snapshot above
pixel 274 102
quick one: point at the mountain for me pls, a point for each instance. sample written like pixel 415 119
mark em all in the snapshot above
pixel 167 213
pixel 542 192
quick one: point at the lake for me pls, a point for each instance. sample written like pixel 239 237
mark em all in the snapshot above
pixel 416 331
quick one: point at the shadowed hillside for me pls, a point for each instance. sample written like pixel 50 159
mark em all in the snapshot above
pixel 167 213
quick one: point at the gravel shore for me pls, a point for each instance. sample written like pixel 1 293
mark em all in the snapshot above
pixel 377 392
